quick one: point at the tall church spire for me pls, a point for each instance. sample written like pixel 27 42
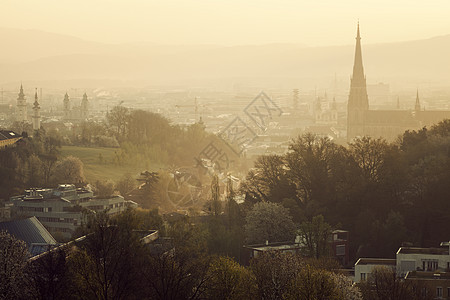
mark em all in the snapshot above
pixel 358 78
pixel 358 102
pixel 417 106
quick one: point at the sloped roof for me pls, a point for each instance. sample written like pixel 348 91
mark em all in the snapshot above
pixel 391 117
pixel 8 134
pixel 29 230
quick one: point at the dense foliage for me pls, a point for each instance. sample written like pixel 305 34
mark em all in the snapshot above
pixel 113 262
pixel 383 193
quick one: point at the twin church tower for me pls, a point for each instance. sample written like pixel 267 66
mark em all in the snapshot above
pixel 69 114
pixel 21 110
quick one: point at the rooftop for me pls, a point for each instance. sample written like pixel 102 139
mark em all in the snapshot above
pixel 432 251
pixel 376 261
pixel 274 246
pixel 428 275
pixel 8 134
pixel 29 230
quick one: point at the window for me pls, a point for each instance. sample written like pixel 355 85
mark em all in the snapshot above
pixel 439 292
pixel 363 276
pixel 448 292
pixel 429 265
pixel 424 292
pixel 340 250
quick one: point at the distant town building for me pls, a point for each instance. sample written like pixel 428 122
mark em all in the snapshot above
pixel 361 121
pixel 36 113
pixel 66 106
pixel 8 138
pixel 21 108
pixel 75 113
pixel 84 107
pixel 325 113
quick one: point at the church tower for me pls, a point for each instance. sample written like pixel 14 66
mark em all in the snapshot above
pixel 66 103
pixel 36 113
pixel 417 106
pixel 358 102
pixel 21 109
pixel 84 107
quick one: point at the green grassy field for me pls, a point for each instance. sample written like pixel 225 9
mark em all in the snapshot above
pixel 94 169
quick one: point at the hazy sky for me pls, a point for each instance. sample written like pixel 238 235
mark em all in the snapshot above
pixel 231 22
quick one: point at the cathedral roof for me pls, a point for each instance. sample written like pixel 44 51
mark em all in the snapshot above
pixel 390 117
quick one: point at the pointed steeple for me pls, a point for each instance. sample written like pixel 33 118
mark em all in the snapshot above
pixel 36 103
pixel 358 92
pixel 398 102
pixel 358 77
pixel 358 102
pixel 417 106
pixel 21 94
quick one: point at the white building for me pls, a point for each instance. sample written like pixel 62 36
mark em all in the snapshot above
pixel 364 267
pixel 422 259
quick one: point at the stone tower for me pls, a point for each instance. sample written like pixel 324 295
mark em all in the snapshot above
pixel 21 108
pixel 358 102
pixel 66 103
pixel 84 107
pixel 36 113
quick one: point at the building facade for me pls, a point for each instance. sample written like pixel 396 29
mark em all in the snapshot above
pixel 64 209
pixel 364 267
pixel 422 259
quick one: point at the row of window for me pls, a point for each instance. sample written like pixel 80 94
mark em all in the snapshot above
pixel 33 209
pixel 439 292
pixel 58 220
pixel 59 229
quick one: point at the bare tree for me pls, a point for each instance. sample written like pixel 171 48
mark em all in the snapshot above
pixel 14 278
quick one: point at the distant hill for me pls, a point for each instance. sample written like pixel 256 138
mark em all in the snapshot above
pixel 31 55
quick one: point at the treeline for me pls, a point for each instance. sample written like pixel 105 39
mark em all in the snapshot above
pixel 36 162
pixel 112 262
pixel 384 193
pixel 142 137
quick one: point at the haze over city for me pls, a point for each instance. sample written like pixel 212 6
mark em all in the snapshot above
pixel 212 149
